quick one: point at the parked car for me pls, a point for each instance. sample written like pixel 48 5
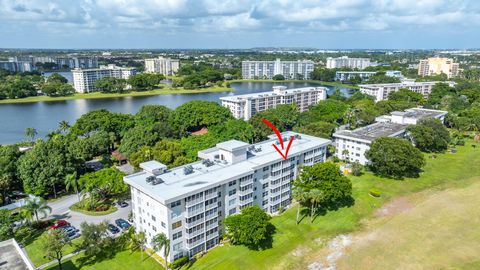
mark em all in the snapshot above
pixel 113 229
pixel 59 224
pixel 122 224
pixel 122 204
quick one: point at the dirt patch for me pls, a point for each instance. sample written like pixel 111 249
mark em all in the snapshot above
pixel 335 249
pixel 394 207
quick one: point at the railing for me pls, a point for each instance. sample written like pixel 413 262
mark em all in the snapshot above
pixel 196 243
pixel 211 206
pixel 273 200
pixel 212 235
pixel 212 215
pixel 246 182
pixel 195 233
pixel 211 196
pixel 274 193
pixel 194 202
pixel 246 201
pixel 194 212
pixel 272 186
pixel 194 223
pixel 211 226
pixel 245 192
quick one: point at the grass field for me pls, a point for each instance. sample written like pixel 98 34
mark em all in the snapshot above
pixel 124 260
pixel 294 247
pixel 98 95
pixel 35 250
pixel 439 232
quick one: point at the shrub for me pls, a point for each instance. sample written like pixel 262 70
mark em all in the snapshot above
pixel 179 262
pixel 374 192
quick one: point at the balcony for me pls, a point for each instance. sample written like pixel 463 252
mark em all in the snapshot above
pixel 194 202
pixel 275 193
pixel 272 186
pixel 211 226
pixel 211 196
pixel 211 215
pixel 211 206
pixel 194 223
pixel 193 234
pixel 246 201
pixel 274 200
pixel 212 235
pixel 196 243
pixel 246 182
pixel 195 212
pixel 245 192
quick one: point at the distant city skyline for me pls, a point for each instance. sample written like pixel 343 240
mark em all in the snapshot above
pixel 230 24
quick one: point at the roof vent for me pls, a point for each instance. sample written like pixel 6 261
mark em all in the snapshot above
pixel 207 162
pixel 188 169
pixel 156 181
pixel 297 136
pixel 150 179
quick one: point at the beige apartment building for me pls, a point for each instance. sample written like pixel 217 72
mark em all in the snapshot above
pixel 438 65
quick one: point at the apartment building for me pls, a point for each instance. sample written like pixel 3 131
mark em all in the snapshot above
pixel 291 70
pixel 17 64
pixel 77 62
pixel 83 79
pixel 351 145
pixel 165 66
pixel 382 90
pixel 438 65
pixel 345 61
pixel 245 106
pixel 188 203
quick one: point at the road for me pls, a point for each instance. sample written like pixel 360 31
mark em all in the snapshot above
pixel 60 210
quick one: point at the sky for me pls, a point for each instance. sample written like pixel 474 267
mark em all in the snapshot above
pixel 231 24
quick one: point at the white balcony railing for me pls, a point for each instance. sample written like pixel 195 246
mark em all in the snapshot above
pixel 194 223
pixel 193 234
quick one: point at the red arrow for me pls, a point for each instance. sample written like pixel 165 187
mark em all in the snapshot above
pixel 280 139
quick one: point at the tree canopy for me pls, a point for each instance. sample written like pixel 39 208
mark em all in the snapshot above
pixel 429 135
pixel 193 115
pixel 103 183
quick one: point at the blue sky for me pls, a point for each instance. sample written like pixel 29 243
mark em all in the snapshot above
pixel 354 24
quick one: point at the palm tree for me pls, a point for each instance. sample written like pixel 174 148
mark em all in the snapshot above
pixel 161 241
pixel 315 196
pixel 71 181
pixel 63 126
pixel 300 195
pixel 31 133
pixel 5 183
pixel 35 205
pixel 138 241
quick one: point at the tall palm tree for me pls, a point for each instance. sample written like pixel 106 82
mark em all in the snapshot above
pixel 161 241
pixel 63 126
pixel 300 195
pixel 315 196
pixel 34 206
pixel 31 133
pixel 138 241
pixel 5 184
pixel 71 181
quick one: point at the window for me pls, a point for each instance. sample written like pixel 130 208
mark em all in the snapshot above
pixel 232 202
pixel 232 192
pixel 177 235
pixel 265 169
pixel 176 225
pixel 232 211
pixel 163 224
pixel 232 183
pixel 154 218
pixel 154 228
pixel 175 204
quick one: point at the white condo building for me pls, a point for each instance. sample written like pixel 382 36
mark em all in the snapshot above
pixel 245 106
pixel 351 145
pixel 364 75
pixel 83 79
pixel 165 66
pixel 291 70
pixel 188 203
pixel 345 61
pixel 382 90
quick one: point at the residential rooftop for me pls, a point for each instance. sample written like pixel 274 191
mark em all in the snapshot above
pixel 277 90
pixel 186 180
pixel 371 132
pixel 12 256
pixel 420 113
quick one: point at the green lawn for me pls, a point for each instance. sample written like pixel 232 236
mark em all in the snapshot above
pixel 97 95
pixel 124 260
pixel 36 253
pixel 293 244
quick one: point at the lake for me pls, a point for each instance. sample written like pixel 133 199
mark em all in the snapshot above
pixel 45 116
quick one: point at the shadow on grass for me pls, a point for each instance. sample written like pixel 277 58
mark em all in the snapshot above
pixel 66 265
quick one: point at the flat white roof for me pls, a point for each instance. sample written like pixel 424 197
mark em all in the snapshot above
pixel 176 184
pixel 272 93
pixel 152 165
pixel 232 145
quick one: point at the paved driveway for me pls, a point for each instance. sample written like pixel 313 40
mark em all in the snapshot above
pixel 60 210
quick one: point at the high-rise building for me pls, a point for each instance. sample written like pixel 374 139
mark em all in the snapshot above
pixel 83 79
pixel 352 145
pixel 245 106
pixel 165 66
pixel 381 90
pixel 15 65
pixel 188 203
pixel 77 62
pixel 291 70
pixel 438 65
pixel 345 61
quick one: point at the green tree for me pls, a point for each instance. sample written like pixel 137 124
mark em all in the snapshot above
pixel 71 182
pixel 95 240
pixel 429 135
pixel 284 117
pixel 251 227
pixel 53 244
pixel 138 241
pixel 406 95
pixel 159 242
pixel 323 74
pixel 316 197
pixel 103 184
pixel 102 120
pixel 55 77
pixel 193 115
pixel 31 133
pixel 110 85
pixel 394 157
pixel 9 155
pixel 63 126
pixel 35 205
pixel 145 81
pixel 331 111
pixel 278 77
pixel 326 177
pixel 300 195
pixel 6 228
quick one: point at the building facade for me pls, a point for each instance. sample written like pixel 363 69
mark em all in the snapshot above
pixel 291 70
pixel 345 61
pixel 438 65
pixel 165 66
pixel 245 106
pixel 382 90
pixel 15 65
pixel 352 145
pixel 83 79
pixel 188 203
pixel 348 75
